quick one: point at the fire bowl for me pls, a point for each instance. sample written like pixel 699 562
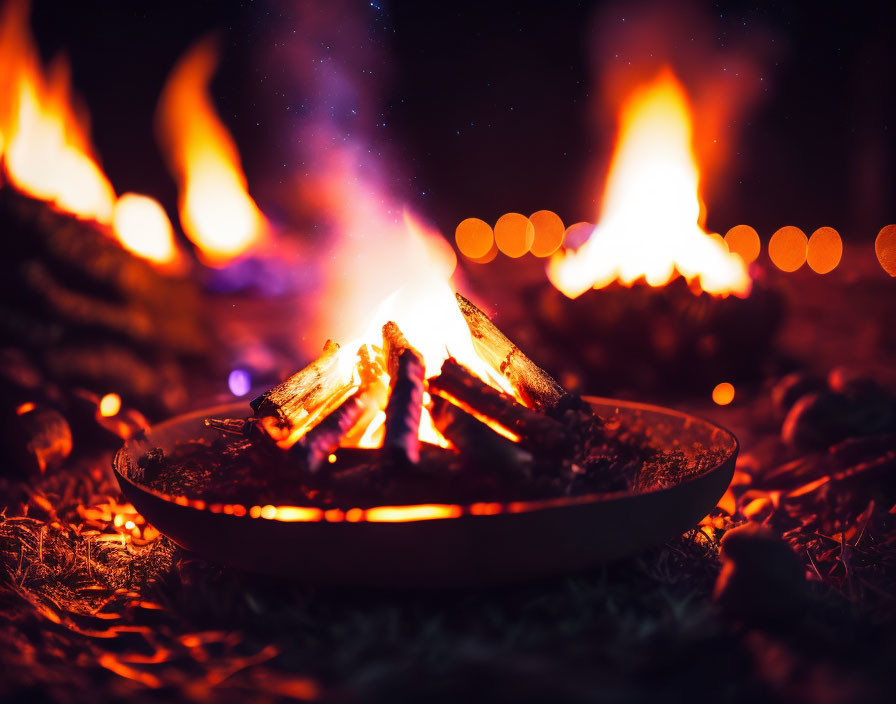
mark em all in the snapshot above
pixel 439 545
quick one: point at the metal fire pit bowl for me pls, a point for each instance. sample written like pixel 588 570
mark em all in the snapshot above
pixel 439 545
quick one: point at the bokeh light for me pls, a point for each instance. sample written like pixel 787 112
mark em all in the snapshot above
pixel 885 248
pixel 239 382
pixel 723 394
pixel 490 256
pixel 549 233
pixel 825 250
pixel 514 234
pixel 110 405
pixel 474 238
pixel 744 241
pixel 576 235
pixel 787 248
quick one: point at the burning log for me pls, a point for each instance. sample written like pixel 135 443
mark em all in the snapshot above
pixel 87 312
pixel 533 384
pixel 368 369
pixel 230 426
pixel 132 319
pixel 286 408
pixel 324 438
pixel 476 440
pixel 394 344
pixel 406 372
pixel 680 339
pixel 84 251
pixel 538 432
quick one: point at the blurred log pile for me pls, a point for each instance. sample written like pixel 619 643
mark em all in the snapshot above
pixel 651 340
pixel 81 317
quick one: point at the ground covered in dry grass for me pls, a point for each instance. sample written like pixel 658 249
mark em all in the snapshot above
pixel 798 605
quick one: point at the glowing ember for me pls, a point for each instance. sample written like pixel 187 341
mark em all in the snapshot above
pixel 400 514
pixel 216 211
pixel 24 408
pixel 110 405
pixel 651 215
pixel 723 394
pixel 120 519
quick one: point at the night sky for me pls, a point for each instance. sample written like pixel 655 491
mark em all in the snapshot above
pixel 479 108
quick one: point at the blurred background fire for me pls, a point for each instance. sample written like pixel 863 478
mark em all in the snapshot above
pixel 687 204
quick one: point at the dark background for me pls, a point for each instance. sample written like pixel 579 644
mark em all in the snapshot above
pixel 486 107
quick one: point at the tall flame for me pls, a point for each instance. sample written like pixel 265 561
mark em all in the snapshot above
pixel 651 223
pixel 216 211
pixel 45 145
pixel 425 309
pixel 46 149
pixel 384 265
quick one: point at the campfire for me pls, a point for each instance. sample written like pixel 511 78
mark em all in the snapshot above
pixel 46 151
pixel 667 304
pixel 45 146
pixel 103 296
pixel 432 387
pixel 231 386
pixel 216 211
pixel 390 395
pixel 651 225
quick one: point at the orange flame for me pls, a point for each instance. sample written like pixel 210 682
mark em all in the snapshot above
pixel 216 210
pixel 426 311
pixel 46 149
pixel 143 228
pixel 416 269
pixel 651 223
pixel 45 144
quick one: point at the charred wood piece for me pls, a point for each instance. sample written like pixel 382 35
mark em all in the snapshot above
pixel 394 343
pixel 533 383
pixel 324 438
pixel 290 403
pixel 133 320
pixel 478 442
pixel 85 253
pixel 357 410
pixel 230 426
pixel 368 368
pixel 405 406
pixel 537 432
